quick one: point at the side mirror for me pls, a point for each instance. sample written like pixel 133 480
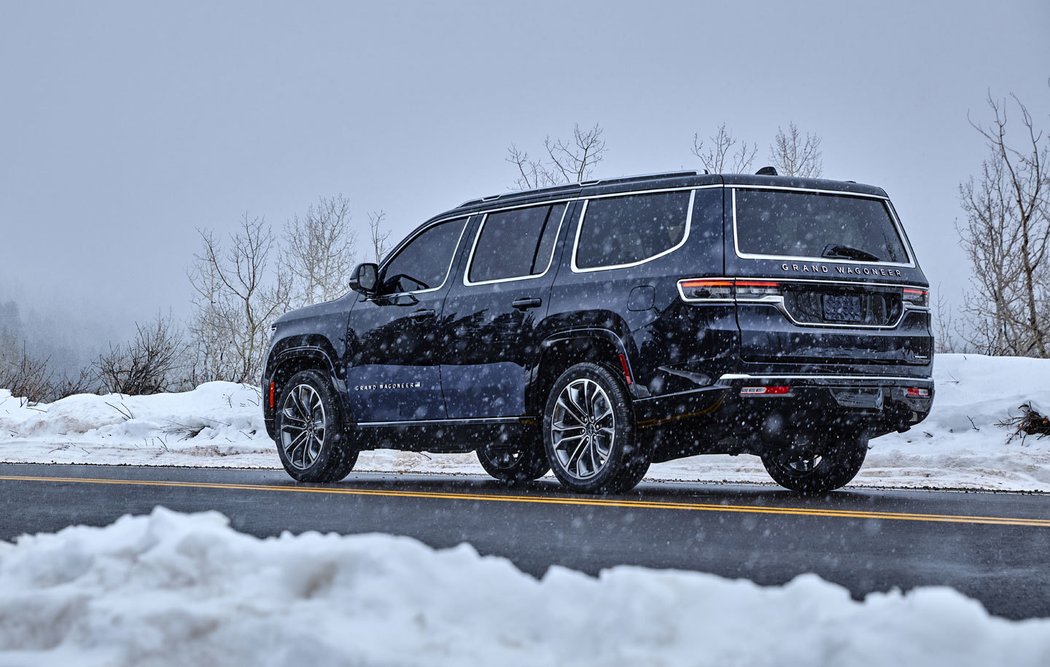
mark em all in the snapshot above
pixel 365 279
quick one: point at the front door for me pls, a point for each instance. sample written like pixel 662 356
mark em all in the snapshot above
pixel 395 338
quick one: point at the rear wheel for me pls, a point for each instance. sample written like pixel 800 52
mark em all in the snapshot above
pixel 588 432
pixel 514 463
pixel 311 437
pixel 818 464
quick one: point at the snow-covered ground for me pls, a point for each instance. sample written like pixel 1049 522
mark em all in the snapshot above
pixel 176 589
pixel 220 424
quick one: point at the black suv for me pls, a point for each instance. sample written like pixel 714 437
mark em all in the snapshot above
pixel 595 328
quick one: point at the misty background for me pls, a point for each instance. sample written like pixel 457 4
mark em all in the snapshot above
pixel 126 127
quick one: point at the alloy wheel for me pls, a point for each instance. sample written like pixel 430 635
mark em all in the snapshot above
pixel 302 426
pixel 583 429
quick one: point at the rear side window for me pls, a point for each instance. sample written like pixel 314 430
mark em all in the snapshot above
pixel 424 262
pixel 816 226
pixel 515 244
pixel 618 231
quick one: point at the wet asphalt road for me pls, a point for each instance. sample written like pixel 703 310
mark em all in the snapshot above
pixel 992 547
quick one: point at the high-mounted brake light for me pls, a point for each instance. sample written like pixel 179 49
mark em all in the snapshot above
pixel 767 390
pixel 916 297
pixel 726 289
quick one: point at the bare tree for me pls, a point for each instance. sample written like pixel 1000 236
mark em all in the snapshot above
pixel 796 155
pixel 723 153
pixel 319 251
pixel 378 234
pixel 236 299
pixel 150 364
pixel 1006 234
pixel 565 161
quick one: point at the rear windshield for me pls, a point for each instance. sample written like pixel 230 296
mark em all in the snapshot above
pixel 812 225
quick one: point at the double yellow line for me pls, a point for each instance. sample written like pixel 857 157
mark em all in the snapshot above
pixel 542 500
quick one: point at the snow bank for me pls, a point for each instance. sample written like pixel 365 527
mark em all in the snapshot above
pixel 220 424
pixel 174 589
pixel 215 420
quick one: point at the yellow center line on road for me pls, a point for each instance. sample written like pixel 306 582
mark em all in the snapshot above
pixel 577 501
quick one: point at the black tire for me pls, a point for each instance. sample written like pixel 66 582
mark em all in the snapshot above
pixel 600 454
pixel 310 430
pixel 514 463
pixel 818 465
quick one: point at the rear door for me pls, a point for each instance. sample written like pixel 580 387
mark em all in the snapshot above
pixel 494 308
pixel 824 277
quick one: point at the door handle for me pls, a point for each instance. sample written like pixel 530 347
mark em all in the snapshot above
pixel 526 303
pixel 422 314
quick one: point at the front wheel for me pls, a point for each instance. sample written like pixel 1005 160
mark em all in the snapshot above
pixel 311 437
pixel 817 465
pixel 588 432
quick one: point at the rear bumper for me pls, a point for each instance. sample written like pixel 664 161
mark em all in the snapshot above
pixel 732 410
pixel 887 397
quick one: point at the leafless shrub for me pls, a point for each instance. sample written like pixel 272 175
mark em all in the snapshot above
pixel 26 376
pixel 723 153
pixel 84 382
pixel 565 161
pixel 150 364
pixel 1006 235
pixel 1029 422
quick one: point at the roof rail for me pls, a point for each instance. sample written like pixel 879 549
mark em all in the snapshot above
pixel 582 184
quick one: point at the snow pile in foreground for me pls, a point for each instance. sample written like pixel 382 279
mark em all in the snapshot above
pixel 175 589
pixel 220 424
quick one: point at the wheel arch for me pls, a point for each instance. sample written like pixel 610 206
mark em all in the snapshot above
pixel 287 362
pixel 561 350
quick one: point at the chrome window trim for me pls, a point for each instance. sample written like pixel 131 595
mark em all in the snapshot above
pixel 685 237
pixel 400 246
pixel 551 202
pixel 474 246
pixel 823 260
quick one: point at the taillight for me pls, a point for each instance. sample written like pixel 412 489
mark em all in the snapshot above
pixel 706 289
pixel 916 297
pixel 726 289
pixel 766 390
pixel 918 392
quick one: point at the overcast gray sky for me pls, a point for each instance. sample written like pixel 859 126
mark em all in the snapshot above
pixel 124 126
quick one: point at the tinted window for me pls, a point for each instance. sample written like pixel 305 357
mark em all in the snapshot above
pixel 800 224
pixel 425 261
pixel 624 230
pixel 515 243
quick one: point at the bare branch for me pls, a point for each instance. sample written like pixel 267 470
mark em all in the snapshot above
pixel 378 234
pixel 723 153
pixel 566 161
pixel 795 155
